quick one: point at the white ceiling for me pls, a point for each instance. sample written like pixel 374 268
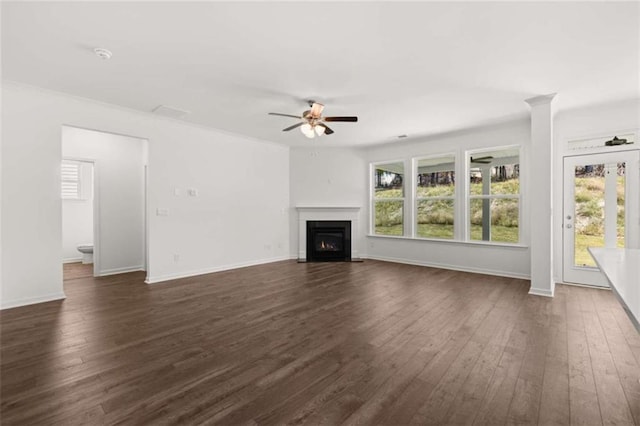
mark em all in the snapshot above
pixel 404 68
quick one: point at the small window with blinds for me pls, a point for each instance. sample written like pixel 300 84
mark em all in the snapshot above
pixel 70 180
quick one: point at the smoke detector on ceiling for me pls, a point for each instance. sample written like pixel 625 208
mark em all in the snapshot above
pixel 102 53
pixel 170 112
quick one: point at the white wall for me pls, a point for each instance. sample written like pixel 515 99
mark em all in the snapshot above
pixel 241 214
pixel 331 177
pixel 596 121
pixel 77 216
pixel 240 217
pixel 119 173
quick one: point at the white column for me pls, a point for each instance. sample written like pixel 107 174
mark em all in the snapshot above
pixel 540 195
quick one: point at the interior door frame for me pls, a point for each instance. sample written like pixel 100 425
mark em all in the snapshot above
pixel 96 198
pixel 592 276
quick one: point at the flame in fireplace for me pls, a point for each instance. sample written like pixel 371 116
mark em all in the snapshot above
pixel 328 246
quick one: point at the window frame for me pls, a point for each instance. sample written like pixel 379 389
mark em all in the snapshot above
pixel 468 197
pixel 373 199
pixel 416 199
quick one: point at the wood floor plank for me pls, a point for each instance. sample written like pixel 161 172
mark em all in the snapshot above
pixel 555 399
pixel 583 396
pixel 318 343
pixel 627 367
pixel 611 398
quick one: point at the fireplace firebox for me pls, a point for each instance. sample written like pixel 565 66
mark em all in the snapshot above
pixel 328 241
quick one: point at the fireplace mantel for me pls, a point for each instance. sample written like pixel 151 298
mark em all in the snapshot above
pixel 306 213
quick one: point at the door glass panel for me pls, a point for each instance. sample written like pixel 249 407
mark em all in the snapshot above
pixel 590 200
pixel 589 212
pixel 620 185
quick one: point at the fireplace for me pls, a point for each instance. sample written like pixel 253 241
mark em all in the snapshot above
pixel 328 240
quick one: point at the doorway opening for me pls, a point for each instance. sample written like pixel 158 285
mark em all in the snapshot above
pixel 110 237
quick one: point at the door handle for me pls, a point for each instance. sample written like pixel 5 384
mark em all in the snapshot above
pixel 569 226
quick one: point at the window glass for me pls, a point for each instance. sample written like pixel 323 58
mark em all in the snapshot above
pixel 389 180
pixel 436 177
pixel 502 220
pixel 389 217
pixel 388 199
pixel 435 218
pixel 435 197
pixel 494 195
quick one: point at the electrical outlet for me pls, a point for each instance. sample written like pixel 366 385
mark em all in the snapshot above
pixel 176 258
pixel 162 212
pixel 193 192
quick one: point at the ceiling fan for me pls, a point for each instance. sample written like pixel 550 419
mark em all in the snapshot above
pixel 482 160
pixel 313 123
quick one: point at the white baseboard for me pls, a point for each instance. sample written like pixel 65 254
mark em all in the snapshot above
pixel 450 267
pixel 540 292
pixel 72 260
pixel 31 300
pixel 116 271
pixel 176 276
pixel 596 287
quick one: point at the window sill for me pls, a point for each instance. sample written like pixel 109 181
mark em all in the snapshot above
pixel 459 242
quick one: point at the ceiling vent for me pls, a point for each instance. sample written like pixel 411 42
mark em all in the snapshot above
pixel 166 111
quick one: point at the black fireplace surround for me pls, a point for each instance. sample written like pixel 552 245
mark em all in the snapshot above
pixel 329 241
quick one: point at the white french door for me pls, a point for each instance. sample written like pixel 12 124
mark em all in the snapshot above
pixel 601 207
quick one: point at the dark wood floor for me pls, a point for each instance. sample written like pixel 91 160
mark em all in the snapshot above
pixel 71 271
pixel 368 343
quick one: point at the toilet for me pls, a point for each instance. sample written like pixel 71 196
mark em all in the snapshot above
pixel 87 253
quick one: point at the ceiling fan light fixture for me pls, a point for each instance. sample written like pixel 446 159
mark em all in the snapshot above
pixel 319 129
pixel 307 130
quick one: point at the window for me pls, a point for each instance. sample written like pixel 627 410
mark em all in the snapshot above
pixel 70 172
pixel 388 198
pixel 76 180
pixel 494 195
pixel 484 207
pixel 435 197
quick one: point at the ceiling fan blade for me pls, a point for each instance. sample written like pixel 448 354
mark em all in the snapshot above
pixel 327 130
pixel 292 127
pixel 316 109
pixel 351 119
pixel 285 115
pixel 482 160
